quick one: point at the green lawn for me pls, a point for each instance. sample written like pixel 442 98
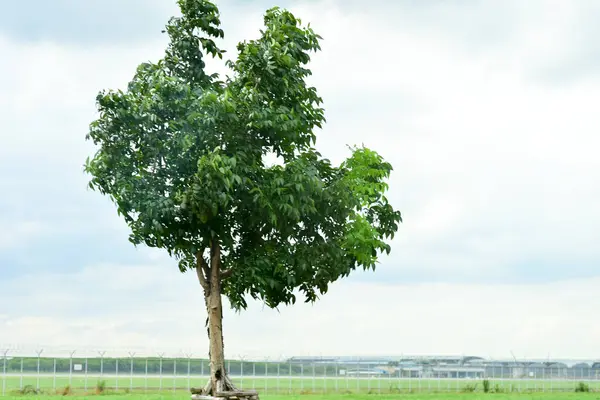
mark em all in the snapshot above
pixel 287 386
pixel 447 396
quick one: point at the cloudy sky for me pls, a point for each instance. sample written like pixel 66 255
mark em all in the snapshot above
pixel 486 109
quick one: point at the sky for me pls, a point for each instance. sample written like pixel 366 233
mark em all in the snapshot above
pixel 486 109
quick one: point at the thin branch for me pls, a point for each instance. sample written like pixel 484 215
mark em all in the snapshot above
pixel 202 262
pixel 200 271
pixel 202 279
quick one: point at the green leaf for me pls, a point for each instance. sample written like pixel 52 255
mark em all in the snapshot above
pixel 180 152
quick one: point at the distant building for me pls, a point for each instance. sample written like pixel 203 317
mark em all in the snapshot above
pixel 473 367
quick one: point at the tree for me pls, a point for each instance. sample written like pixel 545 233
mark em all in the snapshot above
pixel 182 155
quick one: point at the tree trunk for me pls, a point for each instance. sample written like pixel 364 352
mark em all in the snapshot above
pixel 214 308
pixel 210 277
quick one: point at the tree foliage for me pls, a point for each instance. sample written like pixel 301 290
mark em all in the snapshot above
pixel 182 154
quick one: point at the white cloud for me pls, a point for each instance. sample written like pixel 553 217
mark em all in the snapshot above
pixel 15 234
pixel 484 152
pixel 167 314
pixel 496 174
pixel 49 95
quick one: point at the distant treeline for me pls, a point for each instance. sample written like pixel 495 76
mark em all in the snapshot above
pixel 154 366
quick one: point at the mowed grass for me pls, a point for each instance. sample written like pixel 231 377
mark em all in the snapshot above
pixel 287 386
pixel 429 396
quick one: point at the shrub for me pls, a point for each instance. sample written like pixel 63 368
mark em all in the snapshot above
pixel 469 388
pixel 67 390
pixel 582 387
pixel 486 386
pixel 28 390
pixel 100 387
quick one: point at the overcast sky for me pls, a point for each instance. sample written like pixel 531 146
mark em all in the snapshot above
pixel 488 111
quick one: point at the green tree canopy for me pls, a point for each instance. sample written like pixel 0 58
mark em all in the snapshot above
pixel 182 154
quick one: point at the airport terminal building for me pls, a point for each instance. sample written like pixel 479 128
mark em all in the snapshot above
pixel 467 367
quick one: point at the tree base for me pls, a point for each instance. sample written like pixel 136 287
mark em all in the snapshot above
pixel 228 392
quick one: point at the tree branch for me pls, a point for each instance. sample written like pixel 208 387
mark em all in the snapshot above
pixel 203 264
pixel 226 273
pixel 201 271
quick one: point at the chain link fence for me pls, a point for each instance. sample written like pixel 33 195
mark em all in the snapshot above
pixel 92 371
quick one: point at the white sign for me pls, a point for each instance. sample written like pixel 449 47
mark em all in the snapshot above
pixel 342 372
pixel 77 367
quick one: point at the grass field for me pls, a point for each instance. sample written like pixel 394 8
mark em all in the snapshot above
pixel 431 396
pixel 287 386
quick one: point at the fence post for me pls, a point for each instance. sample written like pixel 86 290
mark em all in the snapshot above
pixel 253 374
pixel 160 355
pixel 54 374
pixel 391 377
pixel 189 378
pixel 314 373
pixel 412 373
pixel 379 377
pixel 369 378
pixel 346 368
pixel 290 376
pixel 439 376
pixel 325 378
pixel 544 378
pixel 241 372
pixel 429 377
pixel 21 377
pixel 174 373
pixel 71 368
pixel 131 370
pixel 266 369
pixel 278 373
pixel 5 354
pixel 101 353
pixel 117 373
pixel 39 355
pixel 357 375
pixel 337 374
pixel 146 376
pixel 85 380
